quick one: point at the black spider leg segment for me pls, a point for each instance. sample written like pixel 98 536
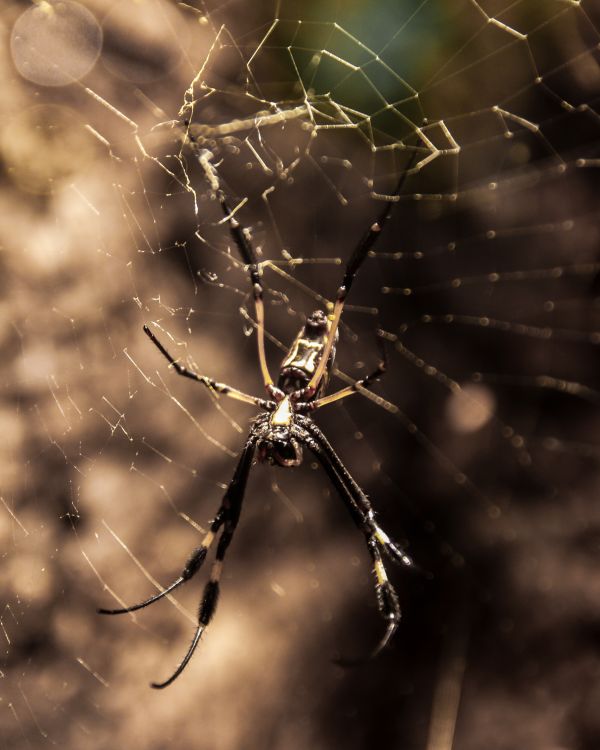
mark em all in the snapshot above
pixel 240 237
pixel 222 388
pixel 192 566
pixel 360 253
pixel 231 507
pixel 387 599
pixel 392 550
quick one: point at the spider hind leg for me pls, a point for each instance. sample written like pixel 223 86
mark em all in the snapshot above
pixel 377 540
pixel 392 549
pixel 231 507
pixel 205 615
pixel 387 604
pixel 192 566
pixel 387 599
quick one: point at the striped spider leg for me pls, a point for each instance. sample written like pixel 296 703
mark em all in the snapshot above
pixel 225 520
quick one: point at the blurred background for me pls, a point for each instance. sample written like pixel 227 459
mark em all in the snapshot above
pixel 479 451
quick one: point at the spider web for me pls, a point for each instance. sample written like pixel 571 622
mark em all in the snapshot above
pixel 479 449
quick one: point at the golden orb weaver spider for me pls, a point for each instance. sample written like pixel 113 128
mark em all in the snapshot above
pixel 278 435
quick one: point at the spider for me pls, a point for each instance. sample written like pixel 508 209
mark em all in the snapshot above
pixel 284 427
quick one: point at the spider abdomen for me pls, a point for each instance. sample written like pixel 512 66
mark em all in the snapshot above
pixel 304 355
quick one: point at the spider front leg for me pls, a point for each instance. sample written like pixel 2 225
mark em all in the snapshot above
pixel 357 258
pixel 240 237
pixel 231 506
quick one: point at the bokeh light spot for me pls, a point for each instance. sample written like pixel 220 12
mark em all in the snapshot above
pixel 55 43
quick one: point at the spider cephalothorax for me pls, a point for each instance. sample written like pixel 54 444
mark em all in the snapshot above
pixel 284 428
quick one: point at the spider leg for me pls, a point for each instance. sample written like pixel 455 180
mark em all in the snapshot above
pixel 387 599
pixel 393 551
pixel 232 505
pixel 356 259
pixel 240 237
pixel 355 387
pixel 225 390
pixel 192 566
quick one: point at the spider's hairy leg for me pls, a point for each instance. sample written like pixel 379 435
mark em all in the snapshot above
pixel 192 566
pixel 387 599
pixel 232 505
pixel 207 609
pixel 222 388
pixel 391 548
pixel 355 387
pixel 356 260
pixel 240 237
